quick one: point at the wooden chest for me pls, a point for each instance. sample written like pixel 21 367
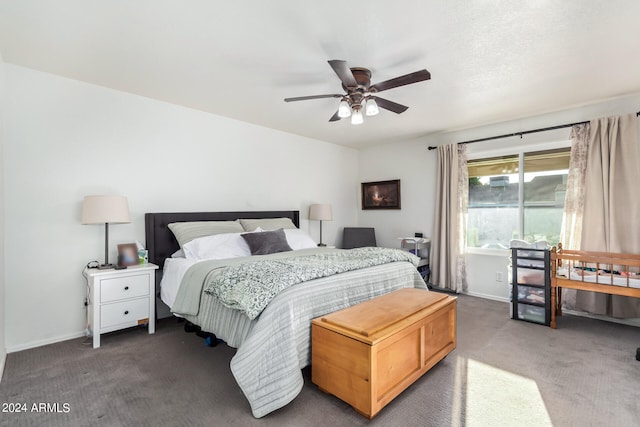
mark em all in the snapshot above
pixel 369 353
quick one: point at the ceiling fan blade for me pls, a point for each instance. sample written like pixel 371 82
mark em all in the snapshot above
pixel 407 79
pixel 335 117
pixel 344 72
pixel 390 105
pixel 304 98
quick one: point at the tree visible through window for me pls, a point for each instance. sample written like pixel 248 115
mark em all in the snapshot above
pixel 507 201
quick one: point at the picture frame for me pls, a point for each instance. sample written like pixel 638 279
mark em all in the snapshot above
pixel 381 194
pixel 127 254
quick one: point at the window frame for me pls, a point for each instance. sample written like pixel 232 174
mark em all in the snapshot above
pixel 478 153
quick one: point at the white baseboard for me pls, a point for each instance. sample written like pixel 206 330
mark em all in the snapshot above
pixel 40 343
pixel 486 296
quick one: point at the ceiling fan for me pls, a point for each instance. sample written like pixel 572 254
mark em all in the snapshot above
pixel 356 81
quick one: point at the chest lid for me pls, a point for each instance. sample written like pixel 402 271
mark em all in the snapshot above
pixel 370 317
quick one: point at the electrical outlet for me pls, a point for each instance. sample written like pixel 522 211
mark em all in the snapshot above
pixel 499 277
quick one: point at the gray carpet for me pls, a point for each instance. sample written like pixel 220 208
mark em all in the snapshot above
pixel 503 373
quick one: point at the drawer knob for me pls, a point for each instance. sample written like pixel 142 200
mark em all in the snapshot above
pixel 126 312
pixel 126 288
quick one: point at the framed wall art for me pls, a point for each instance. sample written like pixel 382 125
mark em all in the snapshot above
pixel 381 194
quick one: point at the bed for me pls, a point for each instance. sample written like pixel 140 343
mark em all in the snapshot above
pixel 609 273
pixel 274 346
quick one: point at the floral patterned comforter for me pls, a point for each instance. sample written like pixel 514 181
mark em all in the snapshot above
pixel 250 286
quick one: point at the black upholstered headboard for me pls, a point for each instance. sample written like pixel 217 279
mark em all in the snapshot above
pixel 161 242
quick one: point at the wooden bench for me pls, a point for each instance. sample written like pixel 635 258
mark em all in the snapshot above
pixel 369 353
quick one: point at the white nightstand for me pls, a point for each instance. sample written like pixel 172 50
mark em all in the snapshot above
pixel 121 299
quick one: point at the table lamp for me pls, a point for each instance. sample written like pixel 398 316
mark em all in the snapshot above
pixel 105 210
pixel 320 213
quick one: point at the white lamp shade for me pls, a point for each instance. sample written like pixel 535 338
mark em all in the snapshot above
pixel 344 109
pixel 356 117
pixel 371 108
pixel 320 213
pixel 105 209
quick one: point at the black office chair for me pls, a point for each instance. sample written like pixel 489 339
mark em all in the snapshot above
pixel 358 237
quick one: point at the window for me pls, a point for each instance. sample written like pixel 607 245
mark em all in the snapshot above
pixel 517 196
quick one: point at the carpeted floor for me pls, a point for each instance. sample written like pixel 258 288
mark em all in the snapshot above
pixel 503 373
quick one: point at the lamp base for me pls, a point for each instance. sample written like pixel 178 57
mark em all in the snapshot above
pixel 105 266
pixel 321 245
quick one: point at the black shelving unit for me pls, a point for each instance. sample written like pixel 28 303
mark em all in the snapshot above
pixel 531 285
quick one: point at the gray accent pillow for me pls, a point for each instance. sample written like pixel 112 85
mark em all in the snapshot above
pixel 266 223
pixel 187 231
pixel 267 242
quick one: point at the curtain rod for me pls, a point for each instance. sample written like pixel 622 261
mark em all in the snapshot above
pixel 526 132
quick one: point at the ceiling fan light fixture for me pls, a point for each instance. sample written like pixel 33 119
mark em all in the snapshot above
pixel 359 97
pixel 344 109
pixel 371 107
pixel 356 116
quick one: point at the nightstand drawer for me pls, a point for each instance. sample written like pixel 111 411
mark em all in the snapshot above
pixel 120 288
pixel 124 312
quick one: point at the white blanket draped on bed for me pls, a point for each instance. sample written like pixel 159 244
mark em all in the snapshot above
pixel 273 348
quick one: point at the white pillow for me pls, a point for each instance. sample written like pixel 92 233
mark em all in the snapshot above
pixel 217 246
pixel 178 254
pixel 299 239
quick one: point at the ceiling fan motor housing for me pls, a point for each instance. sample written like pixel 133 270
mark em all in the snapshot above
pixel 362 76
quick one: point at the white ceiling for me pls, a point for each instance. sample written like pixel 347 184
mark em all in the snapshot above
pixel 490 60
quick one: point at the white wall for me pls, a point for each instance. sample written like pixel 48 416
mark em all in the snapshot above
pixel 3 320
pixel 415 165
pixel 65 139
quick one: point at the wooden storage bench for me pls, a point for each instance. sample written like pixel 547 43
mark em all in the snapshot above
pixel 369 353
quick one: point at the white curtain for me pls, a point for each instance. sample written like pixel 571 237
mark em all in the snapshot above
pixel 574 199
pixel 447 258
pixel 602 203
